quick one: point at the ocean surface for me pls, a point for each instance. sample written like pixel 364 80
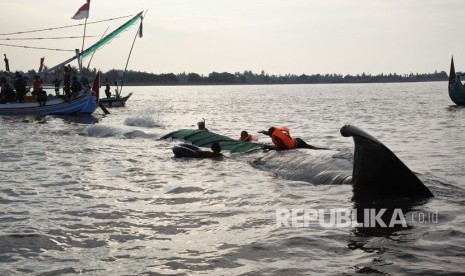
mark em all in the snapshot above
pixel 103 195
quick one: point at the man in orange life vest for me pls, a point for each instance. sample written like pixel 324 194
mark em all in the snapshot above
pixel 283 140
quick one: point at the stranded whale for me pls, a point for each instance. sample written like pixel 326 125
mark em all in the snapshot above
pixel 375 173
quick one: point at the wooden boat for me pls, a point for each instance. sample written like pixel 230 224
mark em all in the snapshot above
pixel 82 103
pixel 456 88
pixel 115 101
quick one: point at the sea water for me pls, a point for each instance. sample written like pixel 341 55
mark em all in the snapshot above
pixel 104 196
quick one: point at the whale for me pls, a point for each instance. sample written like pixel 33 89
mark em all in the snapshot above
pixel 373 170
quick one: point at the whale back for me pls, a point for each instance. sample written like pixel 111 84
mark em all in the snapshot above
pixel 313 166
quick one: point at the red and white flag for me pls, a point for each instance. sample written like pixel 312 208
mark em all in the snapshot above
pixel 83 11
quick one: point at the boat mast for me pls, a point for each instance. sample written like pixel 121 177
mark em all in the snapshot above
pixel 82 48
pixel 84 35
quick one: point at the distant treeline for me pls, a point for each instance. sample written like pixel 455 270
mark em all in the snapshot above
pixel 248 77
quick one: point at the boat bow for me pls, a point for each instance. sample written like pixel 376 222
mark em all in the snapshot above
pixel 456 88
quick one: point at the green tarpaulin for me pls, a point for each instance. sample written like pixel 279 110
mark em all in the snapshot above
pixel 205 139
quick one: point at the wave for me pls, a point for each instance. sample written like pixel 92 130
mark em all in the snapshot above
pixel 146 118
pixel 100 131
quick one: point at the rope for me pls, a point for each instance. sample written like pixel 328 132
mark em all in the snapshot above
pixel 129 56
pixel 64 27
pixel 45 38
pixel 38 48
pixel 92 56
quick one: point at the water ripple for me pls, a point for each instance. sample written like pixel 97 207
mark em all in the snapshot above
pixel 109 198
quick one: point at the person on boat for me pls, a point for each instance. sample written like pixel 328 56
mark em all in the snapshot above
pixel 76 85
pixel 246 137
pixel 201 125
pixel 56 83
pixel 116 89
pixel 37 90
pixel 282 139
pixel 67 80
pixel 107 88
pixel 7 63
pixel 7 93
pixel 85 83
pixel 458 75
pixel 20 87
pixel 2 90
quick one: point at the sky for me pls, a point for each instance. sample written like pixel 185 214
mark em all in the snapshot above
pixel 276 36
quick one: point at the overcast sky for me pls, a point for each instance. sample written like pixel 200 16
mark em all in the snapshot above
pixel 277 36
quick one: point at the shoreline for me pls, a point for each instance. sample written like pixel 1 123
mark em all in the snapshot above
pixel 226 83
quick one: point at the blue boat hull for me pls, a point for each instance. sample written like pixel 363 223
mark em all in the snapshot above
pixel 456 88
pixel 84 103
pixel 457 92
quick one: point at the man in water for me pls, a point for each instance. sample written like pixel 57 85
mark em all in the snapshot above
pixel 282 140
pixel 201 125
pixel 188 150
pixel 215 153
pixel 246 137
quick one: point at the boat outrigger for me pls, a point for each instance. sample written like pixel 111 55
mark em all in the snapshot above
pixel 456 88
pixel 115 101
